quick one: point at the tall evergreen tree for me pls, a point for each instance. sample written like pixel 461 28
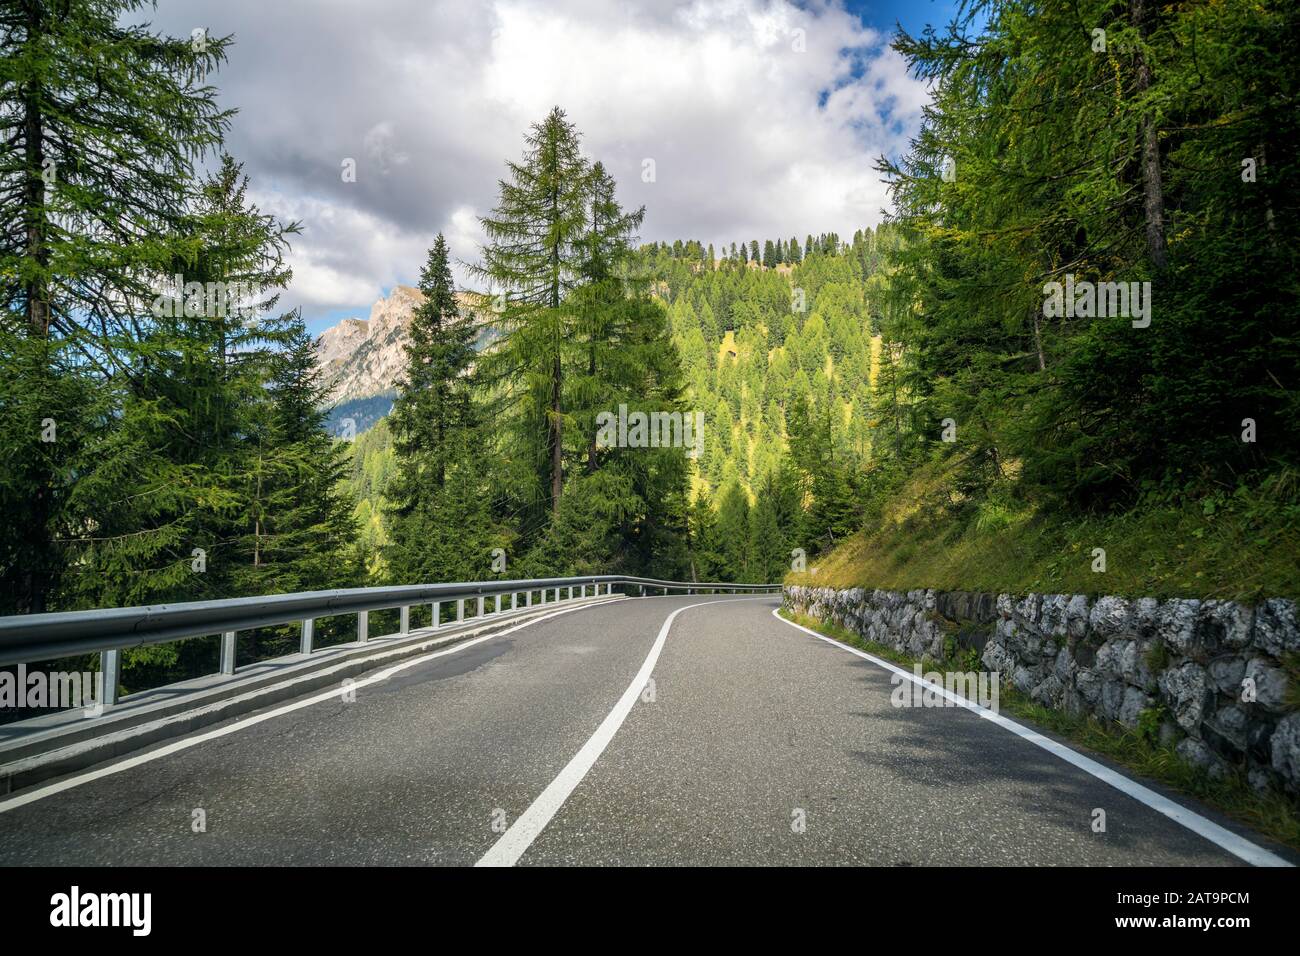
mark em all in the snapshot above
pixel 604 316
pixel 432 415
pixel 300 531
pixel 168 498
pixel 768 561
pixel 706 562
pixel 534 260
pixel 102 123
pixel 733 532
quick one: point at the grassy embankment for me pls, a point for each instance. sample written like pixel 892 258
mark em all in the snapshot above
pixel 1240 545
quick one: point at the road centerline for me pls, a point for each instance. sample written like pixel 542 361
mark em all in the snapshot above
pixel 528 826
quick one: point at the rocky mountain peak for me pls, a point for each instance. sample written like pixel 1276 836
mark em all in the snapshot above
pixel 362 358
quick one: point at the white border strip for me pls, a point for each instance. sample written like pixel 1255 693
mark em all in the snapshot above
pixel 186 743
pixel 1238 846
pixel 516 840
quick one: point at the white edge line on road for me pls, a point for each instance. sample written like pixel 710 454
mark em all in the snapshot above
pixel 1238 846
pixel 185 743
pixel 521 834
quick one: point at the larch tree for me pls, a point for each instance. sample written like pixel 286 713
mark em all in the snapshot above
pixel 101 123
pixel 533 261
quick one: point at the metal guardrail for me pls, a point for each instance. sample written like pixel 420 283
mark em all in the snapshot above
pixel 37 637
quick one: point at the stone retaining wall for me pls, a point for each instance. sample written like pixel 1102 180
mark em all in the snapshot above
pixel 1210 671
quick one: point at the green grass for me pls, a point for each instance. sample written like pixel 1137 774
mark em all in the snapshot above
pixel 1241 546
pixel 1272 813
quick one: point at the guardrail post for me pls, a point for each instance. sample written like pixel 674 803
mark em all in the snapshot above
pixel 498 611
pixel 528 598
pixel 460 610
pixel 480 605
pixel 557 596
pixel 363 626
pixel 404 620
pixel 437 615
pixel 228 652
pixel 308 632
pixel 110 666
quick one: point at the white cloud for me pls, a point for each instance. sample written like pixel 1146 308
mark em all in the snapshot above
pixel 752 139
pixel 344 256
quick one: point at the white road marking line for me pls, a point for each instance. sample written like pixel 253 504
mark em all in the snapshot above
pixel 241 723
pixel 1238 846
pixel 521 834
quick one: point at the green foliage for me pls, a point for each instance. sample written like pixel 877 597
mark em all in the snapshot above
pixel 784 378
pixel 433 424
pixel 1117 165
pixel 102 125
pixel 537 248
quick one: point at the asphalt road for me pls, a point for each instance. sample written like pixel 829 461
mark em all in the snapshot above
pixel 757 744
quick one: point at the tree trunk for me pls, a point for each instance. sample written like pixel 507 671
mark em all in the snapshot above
pixel 557 369
pixel 591 446
pixel 1152 182
pixel 36 578
pixel 1038 340
pixel 37 288
pixel 1269 221
pixel 557 448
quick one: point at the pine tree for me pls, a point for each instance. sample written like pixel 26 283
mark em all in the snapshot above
pixel 102 125
pixel 300 529
pixel 431 415
pixel 605 315
pixel 534 260
pixel 733 532
pixel 434 394
pixel 768 561
pixel 169 498
pixel 705 548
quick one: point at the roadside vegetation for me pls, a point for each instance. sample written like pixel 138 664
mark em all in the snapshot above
pixel 1238 543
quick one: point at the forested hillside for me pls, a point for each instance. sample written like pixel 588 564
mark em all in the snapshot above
pixel 767 351
pixel 1043 426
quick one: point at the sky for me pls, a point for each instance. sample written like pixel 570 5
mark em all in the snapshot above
pixel 763 118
